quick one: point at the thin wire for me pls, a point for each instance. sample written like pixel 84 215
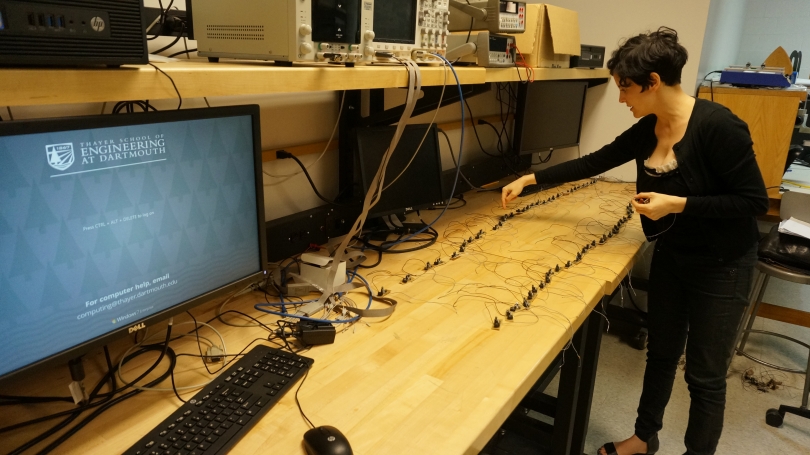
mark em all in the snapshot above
pixel 180 98
pixel 325 149
pixel 300 409
pixel 166 389
pixel 674 217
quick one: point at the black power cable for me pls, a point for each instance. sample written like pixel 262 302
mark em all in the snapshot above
pixel 475 130
pixel 283 154
pixel 711 84
pixel 103 405
pixel 187 51
pixel 180 98
pixel 113 402
pixel 130 105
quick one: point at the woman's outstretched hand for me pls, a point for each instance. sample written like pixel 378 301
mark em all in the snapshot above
pixel 511 191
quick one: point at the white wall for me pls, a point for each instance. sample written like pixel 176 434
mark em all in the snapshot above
pixel 287 119
pixel 773 23
pixel 605 23
pixel 724 32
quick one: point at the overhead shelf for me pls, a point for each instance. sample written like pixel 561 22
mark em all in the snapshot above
pixel 38 86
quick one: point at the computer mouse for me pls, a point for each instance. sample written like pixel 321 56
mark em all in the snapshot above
pixel 326 440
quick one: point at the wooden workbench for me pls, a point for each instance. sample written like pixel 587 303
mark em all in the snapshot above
pixel 38 86
pixel 433 378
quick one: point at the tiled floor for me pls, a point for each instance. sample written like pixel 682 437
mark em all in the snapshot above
pixel 621 370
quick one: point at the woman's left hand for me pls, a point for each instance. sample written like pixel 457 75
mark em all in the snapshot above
pixel 655 205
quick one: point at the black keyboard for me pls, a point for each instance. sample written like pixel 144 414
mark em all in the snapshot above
pixel 222 412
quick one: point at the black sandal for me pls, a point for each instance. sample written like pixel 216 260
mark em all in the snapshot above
pixel 652 447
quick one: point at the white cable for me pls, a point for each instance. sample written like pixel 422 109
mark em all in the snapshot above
pixel 158 389
pixel 328 143
pixel 377 182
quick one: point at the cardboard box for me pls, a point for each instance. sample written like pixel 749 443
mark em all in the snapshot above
pixel 551 37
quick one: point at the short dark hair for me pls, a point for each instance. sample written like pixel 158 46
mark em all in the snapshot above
pixel 652 52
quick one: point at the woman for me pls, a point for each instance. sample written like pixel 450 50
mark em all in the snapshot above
pixel 699 189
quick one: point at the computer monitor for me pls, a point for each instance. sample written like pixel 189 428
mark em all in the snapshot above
pixel 548 115
pixel 111 223
pixel 420 186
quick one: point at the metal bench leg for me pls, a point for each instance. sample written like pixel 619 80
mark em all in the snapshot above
pixel 806 384
pixel 758 278
pixel 754 311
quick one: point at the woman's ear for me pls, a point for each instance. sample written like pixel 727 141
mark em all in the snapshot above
pixel 655 81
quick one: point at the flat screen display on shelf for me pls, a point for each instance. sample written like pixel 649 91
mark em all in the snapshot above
pixel 548 115
pixel 417 153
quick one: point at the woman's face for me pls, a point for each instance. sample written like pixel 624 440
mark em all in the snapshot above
pixel 634 98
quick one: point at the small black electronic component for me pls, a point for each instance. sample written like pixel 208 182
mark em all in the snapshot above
pixel 427 265
pixel 590 56
pixel 509 315
pixel 579 256
pixel 557 268
pixel 315 333
pixel 461 249
pixel 568 264
pixel 496 324
pixel 437 261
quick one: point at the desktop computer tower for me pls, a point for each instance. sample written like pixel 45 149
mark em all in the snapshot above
pixel 72 32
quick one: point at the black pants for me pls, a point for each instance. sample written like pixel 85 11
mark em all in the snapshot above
pixel 700 300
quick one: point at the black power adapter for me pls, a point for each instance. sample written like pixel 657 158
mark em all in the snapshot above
pixel 314 333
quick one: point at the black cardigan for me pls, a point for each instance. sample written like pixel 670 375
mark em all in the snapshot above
pixel 716 159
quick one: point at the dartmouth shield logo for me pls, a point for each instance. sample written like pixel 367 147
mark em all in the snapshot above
pixel 60 156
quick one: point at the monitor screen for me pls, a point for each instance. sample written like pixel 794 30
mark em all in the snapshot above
pixel 548 115
pixel 420 186
pixel 395 21
pixel 108 222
